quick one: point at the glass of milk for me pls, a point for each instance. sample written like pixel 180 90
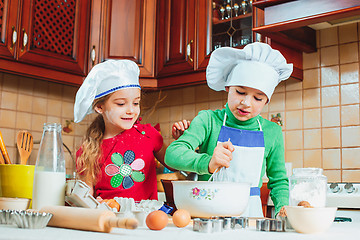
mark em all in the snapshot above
pixel 49 176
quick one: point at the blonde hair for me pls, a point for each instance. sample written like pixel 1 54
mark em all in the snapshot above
pixel 87 163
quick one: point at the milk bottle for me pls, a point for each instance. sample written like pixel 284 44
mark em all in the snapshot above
pixel 49 176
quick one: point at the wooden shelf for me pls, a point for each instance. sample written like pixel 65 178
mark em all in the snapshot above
pixel 268 3
pixel 218 21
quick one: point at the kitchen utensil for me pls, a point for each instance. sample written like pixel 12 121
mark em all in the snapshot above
pixel 2 161
pixel 16 180
pixel 87 219
pixel 24 144
pixel 6 216
pixel 33 220
pixel 270 225
pixel 3 150
pixel 310 220
pixel 208 199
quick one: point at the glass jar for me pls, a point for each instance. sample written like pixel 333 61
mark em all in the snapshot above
pixel 49 176
pixel 308 184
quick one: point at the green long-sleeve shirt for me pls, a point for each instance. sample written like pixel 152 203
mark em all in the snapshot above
pixel 203 133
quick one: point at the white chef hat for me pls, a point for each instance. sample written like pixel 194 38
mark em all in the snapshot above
pixel 257 65
pixel 103 79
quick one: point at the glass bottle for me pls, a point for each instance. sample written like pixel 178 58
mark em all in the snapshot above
pixel 308 184
pixel 49 176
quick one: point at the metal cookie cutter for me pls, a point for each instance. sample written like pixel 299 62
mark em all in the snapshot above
pixel 242 222
pixel 270 225
pixel 208 225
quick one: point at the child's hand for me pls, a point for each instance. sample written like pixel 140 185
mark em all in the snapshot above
pixel 222 156
pixel 178 128
pixel 282 212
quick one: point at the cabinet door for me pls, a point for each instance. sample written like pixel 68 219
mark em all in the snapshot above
pixel 203 38
pixel 8 27
pixel 127 32
pixel 53 34
pixel 176 34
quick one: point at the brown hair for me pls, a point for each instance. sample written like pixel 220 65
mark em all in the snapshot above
pixel 87 163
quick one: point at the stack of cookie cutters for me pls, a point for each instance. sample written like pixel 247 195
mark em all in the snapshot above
pixel 270 225
pixel 218 224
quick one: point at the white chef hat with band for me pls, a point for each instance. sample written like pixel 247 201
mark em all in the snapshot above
pixel 257 65
pixel 103 79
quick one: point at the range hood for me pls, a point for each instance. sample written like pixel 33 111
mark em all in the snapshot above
pixel 294 22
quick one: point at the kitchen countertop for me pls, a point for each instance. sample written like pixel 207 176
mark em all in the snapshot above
pixel 338 230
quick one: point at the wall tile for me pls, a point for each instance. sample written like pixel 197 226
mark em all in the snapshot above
pixel 330 137
pixel 41 89
pixel 328 36
pixel 348 33
pixel 23 120
pixel 349 53
pixel 201 93
pixel 294 120
pixel 67 110
pixel 349 73
pixel 277 102
pixel 174 97
pixel 294 140
pixel 330 117
pixel 214 105
pixel 9 137
pixel 7 118
pixel 350 115
pixel 295 157
pixel 55 91
pixel 37 122
pixel 52 119
pixel 26 86
pixel 312 158
pixel 164 114
pixel 312 118
pixel 311 60
pixel 311 78
pixel 10 82
pixel 329 56
pixel 350 158
pixel 24 103
pixel 54 107
pixel 331 158
pixel 176 113
pixel 350 94
pixel 281 86
pixel 333 175
pixel 166 130
pixel 311 98
pixel 188 95
pixel 39 105
pixel 312 139
pixel 330 75
pixel 291 85
pixel 293 100
pixel 188 111
pixel 215 95
pixel 350 136
pixel 201 106
pixel 351 176
pixel 330 96
pixel 9 100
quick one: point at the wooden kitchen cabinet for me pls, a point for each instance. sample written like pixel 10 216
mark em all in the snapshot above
pixel 123 29
pixel 45 39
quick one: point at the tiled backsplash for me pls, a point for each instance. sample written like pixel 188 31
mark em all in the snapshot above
pixel 320 115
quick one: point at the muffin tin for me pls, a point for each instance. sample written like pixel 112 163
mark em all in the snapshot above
pixel 25 219
pixel 219 224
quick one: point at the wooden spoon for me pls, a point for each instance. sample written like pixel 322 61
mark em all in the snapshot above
pixel 25 145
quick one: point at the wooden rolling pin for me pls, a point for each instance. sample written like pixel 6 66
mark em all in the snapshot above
pixel 87 219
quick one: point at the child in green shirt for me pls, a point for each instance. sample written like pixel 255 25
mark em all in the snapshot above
pixel 237 139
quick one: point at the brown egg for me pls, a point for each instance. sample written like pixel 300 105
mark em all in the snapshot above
pixel 181 218
pixel 305 204
pixel 157 220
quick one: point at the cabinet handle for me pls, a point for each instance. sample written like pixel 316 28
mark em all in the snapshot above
pixel 13 38
pixel 25 40
pixel 93 55
pixel 188 50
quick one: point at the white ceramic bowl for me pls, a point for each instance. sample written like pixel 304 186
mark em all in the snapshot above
pixel 14 203
pixel 310 220
pixel 207 199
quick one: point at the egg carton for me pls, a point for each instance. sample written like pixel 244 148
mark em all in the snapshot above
pixel 77 194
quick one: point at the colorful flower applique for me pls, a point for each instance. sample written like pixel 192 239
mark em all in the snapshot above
pixel 125 170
